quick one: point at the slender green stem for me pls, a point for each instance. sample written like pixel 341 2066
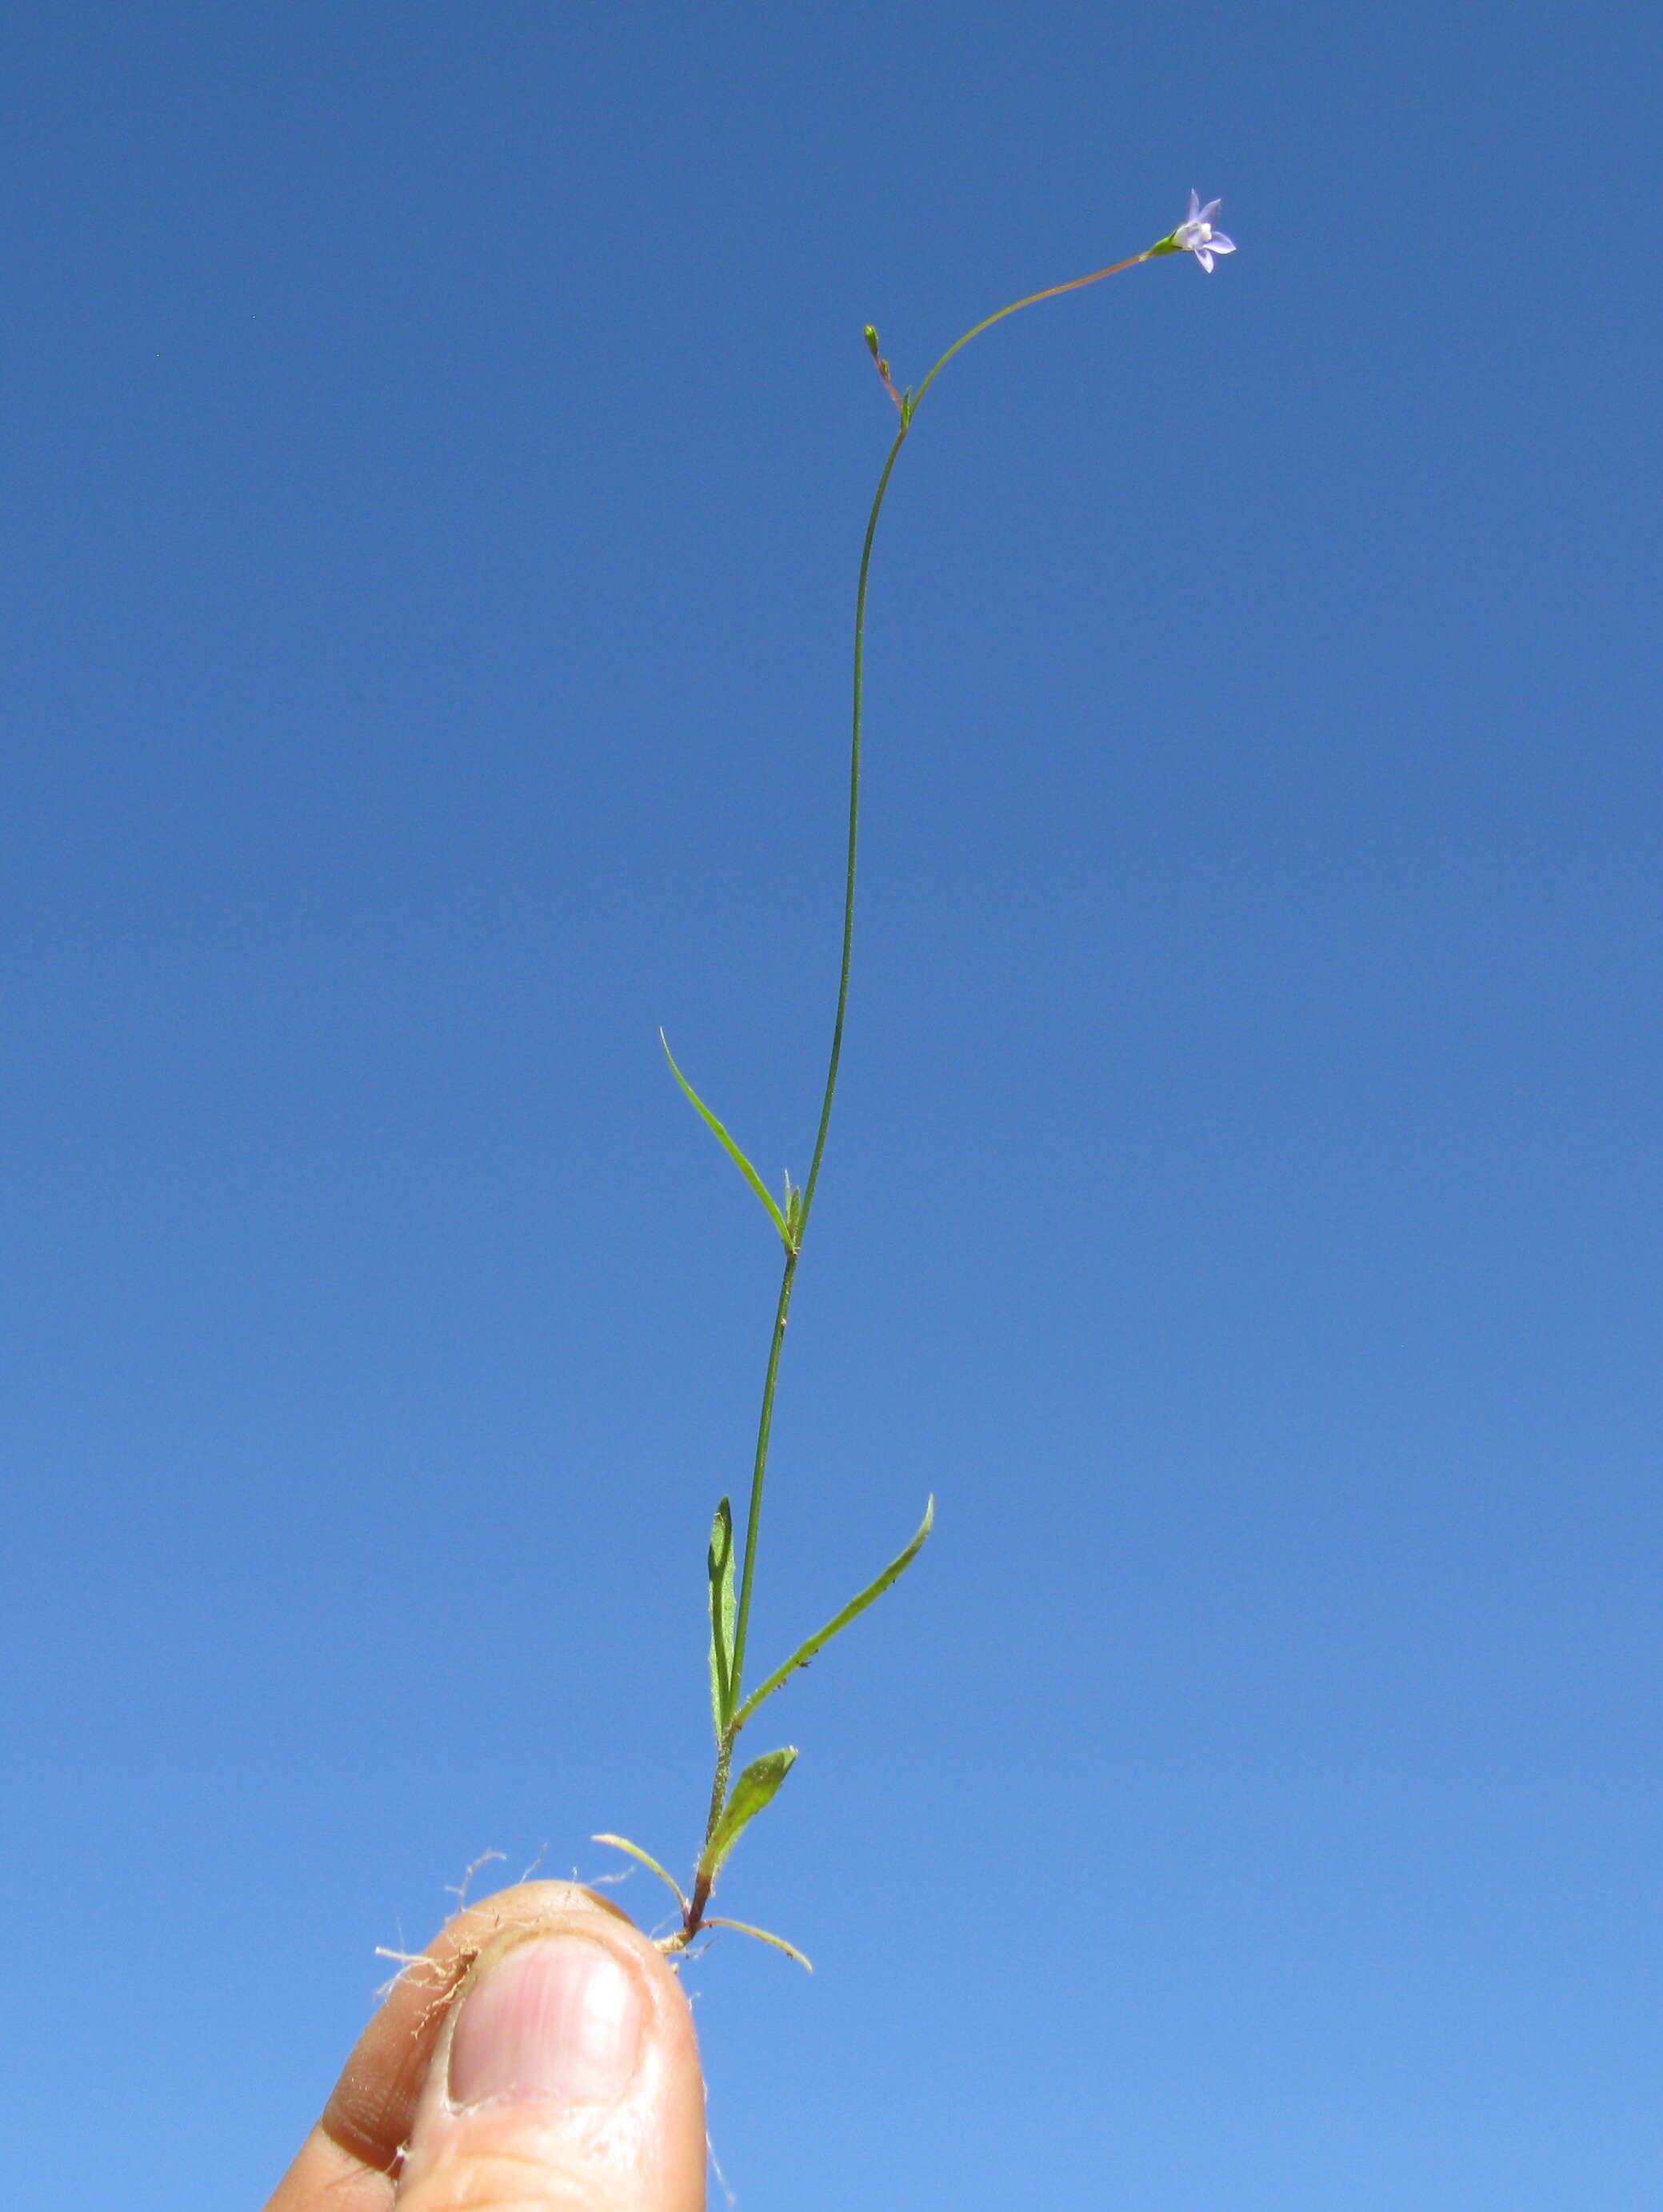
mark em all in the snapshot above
pixel 909 408
pixel 758 1473
pixel 719 1783
pixel 854 832
pixel 909 411
pixel 759 1468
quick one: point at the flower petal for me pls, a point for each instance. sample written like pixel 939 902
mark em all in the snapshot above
pixel 1220 244
pixel 1210 210
pixel 1205 258
pixel 1195 205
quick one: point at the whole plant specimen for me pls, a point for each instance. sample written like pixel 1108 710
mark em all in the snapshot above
pixel 736 1800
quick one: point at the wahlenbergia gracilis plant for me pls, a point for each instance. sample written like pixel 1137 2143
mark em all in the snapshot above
pixel 736 1800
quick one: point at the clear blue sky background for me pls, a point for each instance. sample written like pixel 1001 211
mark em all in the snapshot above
pixel 436 443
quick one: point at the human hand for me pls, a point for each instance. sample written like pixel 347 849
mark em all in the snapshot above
pixel 544 2061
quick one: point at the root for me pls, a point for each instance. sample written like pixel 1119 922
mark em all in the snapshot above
pixel 444 1979
pixel 459 1890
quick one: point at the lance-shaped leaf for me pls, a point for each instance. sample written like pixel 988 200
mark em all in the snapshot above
pixel 755 1788
pixel 805 1652
pixel 720 1561
pixel 731 1148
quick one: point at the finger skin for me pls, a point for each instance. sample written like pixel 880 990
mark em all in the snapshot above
pixel 350 2161
pixel 640 2151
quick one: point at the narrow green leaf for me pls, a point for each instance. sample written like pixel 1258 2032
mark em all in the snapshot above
pixel 744 1927
pixel 622 1843
pixel 754 1789
pixel 730 1148
pixel 805 1652
pixel 720 1562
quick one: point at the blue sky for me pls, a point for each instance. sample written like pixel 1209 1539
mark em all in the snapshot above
pixel 437 440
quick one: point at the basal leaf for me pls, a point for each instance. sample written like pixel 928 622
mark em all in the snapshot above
pixel 646 1859
pixel 755 1788
pixel 744 1927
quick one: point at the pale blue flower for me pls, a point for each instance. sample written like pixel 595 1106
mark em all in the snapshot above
pixel 1196 235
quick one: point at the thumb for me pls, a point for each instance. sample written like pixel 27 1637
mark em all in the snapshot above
pixel 566 2080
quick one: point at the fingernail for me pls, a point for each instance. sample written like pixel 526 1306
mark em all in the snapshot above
pixel 557 2016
